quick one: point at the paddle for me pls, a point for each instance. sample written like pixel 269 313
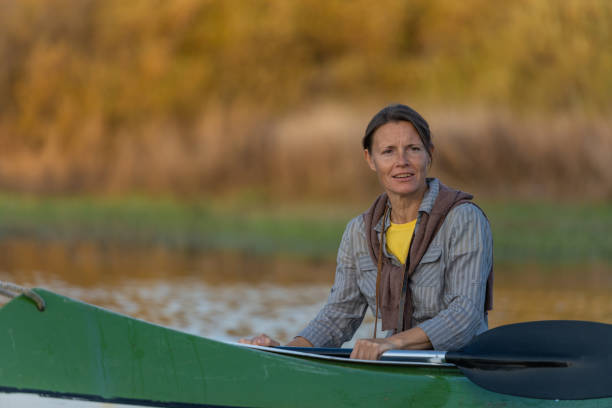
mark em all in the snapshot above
pixel 554 359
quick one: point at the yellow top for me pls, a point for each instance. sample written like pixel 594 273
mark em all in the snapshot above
pixel 398 239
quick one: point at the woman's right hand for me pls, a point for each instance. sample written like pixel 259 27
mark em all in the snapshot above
pixel 261 340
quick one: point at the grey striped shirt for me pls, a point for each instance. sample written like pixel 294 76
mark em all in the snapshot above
pixel 448 286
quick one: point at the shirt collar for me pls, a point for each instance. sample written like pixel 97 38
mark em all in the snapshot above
pixel 427 203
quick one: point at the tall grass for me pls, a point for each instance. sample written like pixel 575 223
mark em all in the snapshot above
pixel 315 154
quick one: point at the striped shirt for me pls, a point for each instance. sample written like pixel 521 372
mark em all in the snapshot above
pixel 448 286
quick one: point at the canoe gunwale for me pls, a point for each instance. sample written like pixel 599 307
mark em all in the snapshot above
pixel 425 358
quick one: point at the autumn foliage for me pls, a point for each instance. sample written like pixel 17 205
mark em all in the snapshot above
pixel 195 97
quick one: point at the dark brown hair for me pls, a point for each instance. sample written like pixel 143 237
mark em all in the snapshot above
pixel 398 113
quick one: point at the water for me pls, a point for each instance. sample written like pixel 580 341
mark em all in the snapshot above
pixel 226 296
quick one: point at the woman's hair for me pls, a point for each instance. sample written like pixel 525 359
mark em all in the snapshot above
pixel 398 113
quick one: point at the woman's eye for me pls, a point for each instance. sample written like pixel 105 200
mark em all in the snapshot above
pixel 386 151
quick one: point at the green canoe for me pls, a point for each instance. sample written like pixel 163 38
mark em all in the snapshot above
pixel 74 352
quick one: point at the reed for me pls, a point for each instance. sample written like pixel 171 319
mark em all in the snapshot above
pixel 214 97
pixel 316 154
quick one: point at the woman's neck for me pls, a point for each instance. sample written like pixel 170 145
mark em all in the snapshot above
pixel 405 208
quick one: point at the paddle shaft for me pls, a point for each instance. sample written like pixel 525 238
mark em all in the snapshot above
pixel 435 357
pixel 414 356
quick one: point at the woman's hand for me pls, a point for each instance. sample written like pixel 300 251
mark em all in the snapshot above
pixel 371 349
pixel 261 340
pixel 265 340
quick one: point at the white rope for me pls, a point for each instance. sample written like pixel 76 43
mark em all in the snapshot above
pixel 11 290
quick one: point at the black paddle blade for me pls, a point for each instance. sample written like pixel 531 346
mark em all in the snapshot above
pixel 556 359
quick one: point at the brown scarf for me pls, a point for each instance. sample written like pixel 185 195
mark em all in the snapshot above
pixel 393 278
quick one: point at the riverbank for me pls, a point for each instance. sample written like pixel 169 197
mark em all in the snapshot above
pixel 524 232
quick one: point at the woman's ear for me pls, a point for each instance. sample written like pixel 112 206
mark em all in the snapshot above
pixel 368 159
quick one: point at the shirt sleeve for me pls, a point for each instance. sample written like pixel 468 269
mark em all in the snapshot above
pixel 346 306
pixel 469 246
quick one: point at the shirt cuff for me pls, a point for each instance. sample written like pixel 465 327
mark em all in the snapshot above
pixel 438 333
pixel 316 338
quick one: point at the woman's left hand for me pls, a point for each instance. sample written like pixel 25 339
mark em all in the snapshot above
pixel 371 349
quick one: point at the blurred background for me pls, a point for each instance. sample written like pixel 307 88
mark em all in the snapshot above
pixel 194 163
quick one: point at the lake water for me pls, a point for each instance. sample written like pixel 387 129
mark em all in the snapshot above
pixel 226 295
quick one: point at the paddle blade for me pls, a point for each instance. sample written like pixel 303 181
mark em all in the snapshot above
pixel 557 359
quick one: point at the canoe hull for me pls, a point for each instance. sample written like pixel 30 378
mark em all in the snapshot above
pixel 74 350
pixel 28 400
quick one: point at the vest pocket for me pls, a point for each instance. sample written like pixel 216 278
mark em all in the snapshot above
pixel 426 283
pixel 429 272
pixel 366 277
pixel 426 300
pixel 432 254
pixel 365 263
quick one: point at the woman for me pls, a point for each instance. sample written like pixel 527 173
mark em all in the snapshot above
pixel 431 279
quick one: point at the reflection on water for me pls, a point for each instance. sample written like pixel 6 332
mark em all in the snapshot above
pixel 227 295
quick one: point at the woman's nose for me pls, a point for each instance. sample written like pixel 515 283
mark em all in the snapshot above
pixel 402 159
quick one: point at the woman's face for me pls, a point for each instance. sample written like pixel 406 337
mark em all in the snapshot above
pixel 399 159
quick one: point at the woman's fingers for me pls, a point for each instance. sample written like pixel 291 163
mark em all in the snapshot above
pixel 370 349
pixel 261 340
pixel 265 340
pixel 364 350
